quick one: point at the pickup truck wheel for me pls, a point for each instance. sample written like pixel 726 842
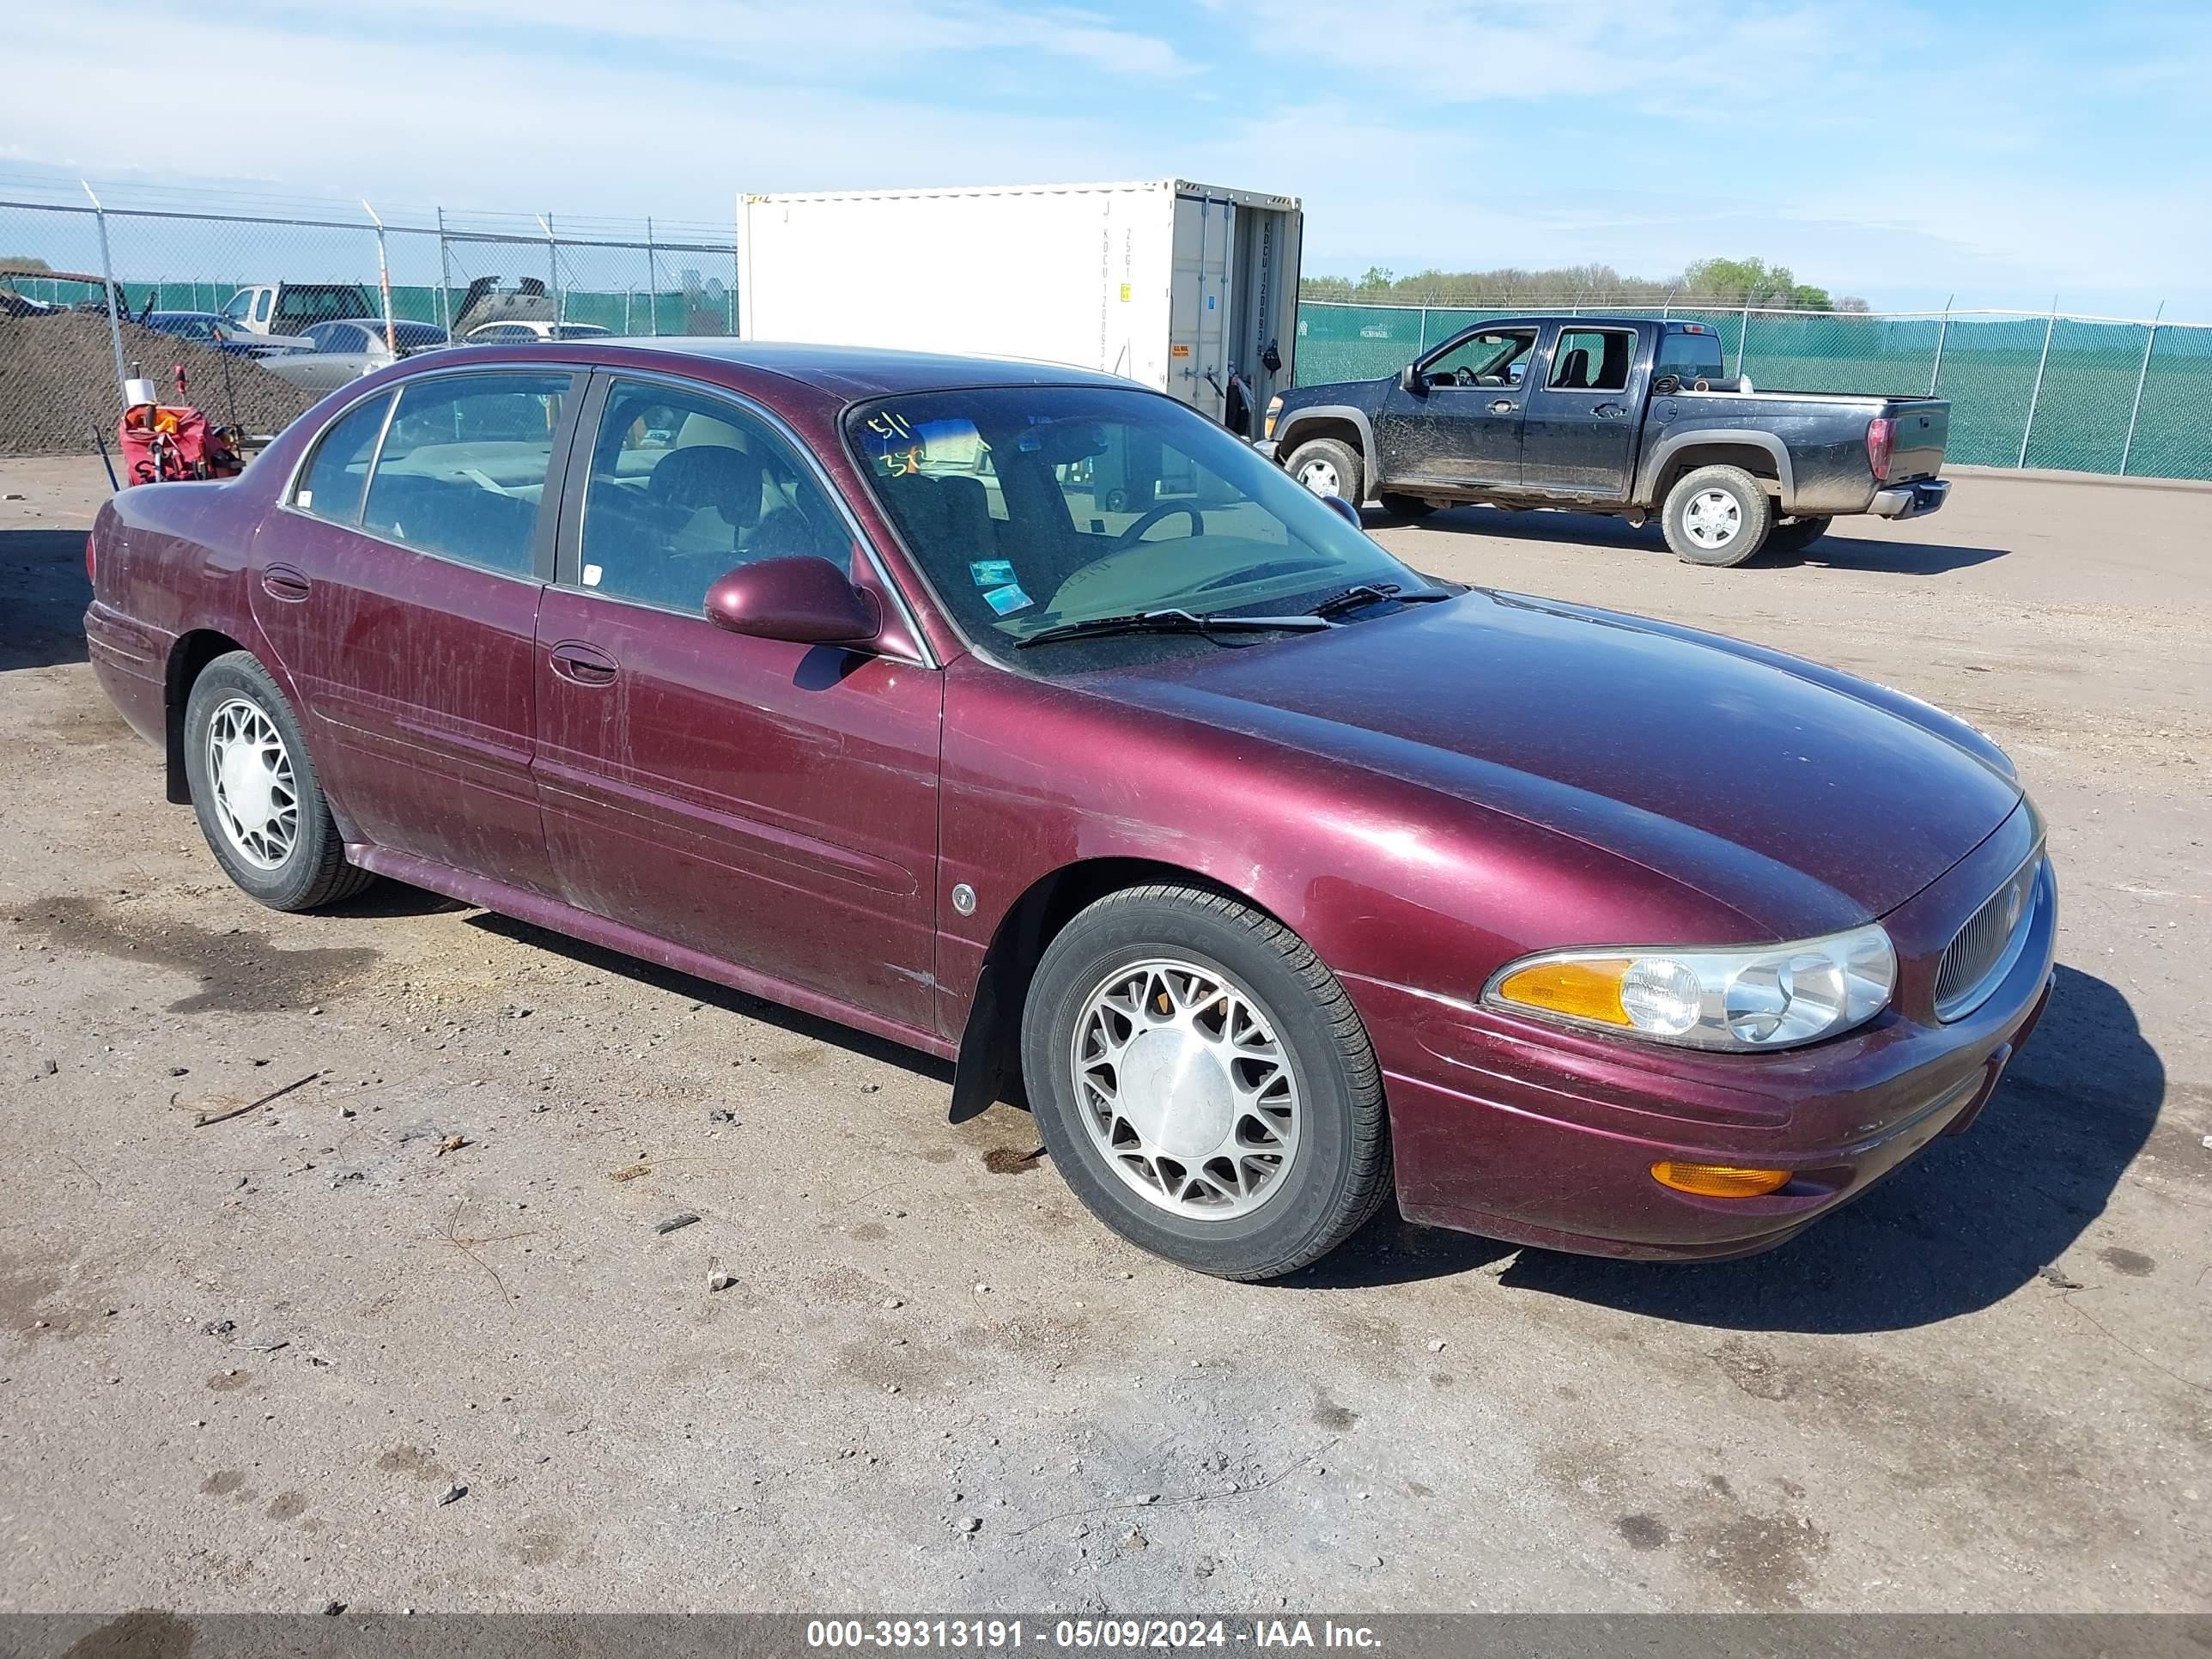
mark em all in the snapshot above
pixel 1717 515
pixel 1406 506
pixel 255 793
pixel 1327 468
pixel 1798 535
pixel 1204 1084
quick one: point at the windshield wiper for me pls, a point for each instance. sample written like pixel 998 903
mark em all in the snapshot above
pixel 1173 621
pixel 1373 593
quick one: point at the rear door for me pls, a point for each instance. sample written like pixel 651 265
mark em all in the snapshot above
pixel 770 805
pixel 1464 427
pixel 1578 432
pixel 398 583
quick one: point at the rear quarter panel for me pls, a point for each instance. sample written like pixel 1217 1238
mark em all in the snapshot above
pixel 1825 441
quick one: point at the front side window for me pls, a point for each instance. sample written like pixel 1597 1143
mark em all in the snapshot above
pixel 1592 359
pixel 1494 357
pixel 686 486
pixel 1031 507
pixel 239 307
pixel 331 483
pixel 462 473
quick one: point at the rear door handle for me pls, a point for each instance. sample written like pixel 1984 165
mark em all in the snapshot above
pixel 583 665
pixel 1502 407
pixel 280 581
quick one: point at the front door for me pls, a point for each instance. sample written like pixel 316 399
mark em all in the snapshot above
pixel 398 584
pixel 1463 426
pixel 771 805
pixel 1580 428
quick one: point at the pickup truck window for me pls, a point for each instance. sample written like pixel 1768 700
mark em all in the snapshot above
pixel 1493 358
pixel 1592 359
pixel 1686 356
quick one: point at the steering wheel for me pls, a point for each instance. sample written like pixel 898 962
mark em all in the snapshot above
pixel 1464 375
pixel 1130 537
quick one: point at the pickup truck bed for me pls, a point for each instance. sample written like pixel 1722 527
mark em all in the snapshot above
pixel 1629 416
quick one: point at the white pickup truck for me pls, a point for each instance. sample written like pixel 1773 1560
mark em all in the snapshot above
pixel 289 309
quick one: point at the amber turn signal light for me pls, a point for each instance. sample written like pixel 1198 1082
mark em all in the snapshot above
pixel 1718 1180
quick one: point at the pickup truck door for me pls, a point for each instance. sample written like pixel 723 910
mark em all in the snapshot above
pixel 1464 426
pixel 1579 427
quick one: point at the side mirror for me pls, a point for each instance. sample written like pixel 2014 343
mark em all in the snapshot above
pixel 1409 380
pixel 1343 510
pixel 803 599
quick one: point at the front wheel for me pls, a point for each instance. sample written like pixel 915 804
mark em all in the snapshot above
pixel 1328 467
pixel 255 791
pixel 1717 515
pixel 1204 1084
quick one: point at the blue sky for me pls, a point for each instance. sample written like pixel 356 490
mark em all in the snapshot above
pixel 1901 152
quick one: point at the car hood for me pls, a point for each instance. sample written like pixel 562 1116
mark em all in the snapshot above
pixel 1802 799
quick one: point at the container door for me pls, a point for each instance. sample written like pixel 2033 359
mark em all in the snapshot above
pixel 1199 290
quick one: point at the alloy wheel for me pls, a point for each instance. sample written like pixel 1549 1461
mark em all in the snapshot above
pixel 257 799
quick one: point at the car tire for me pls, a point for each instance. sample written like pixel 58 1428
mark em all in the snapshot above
pixel 1798 535
pixel 1406 506
pixel 1717 515
pixel 1175 982
pixel 255 791
pixel 1329 462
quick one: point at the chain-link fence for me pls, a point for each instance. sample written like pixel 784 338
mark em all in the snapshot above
pixel 242 302
pixel 2087 394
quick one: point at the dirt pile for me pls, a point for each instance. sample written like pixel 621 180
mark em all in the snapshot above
pixel 57 382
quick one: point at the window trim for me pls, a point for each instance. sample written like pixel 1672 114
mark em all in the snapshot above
pixel 545 539
pixel 567 572
pixel 1571 327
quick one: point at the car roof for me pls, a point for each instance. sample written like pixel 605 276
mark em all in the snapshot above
pixel 847 371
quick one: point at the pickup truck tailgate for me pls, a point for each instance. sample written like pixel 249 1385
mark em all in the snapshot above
pixel 1923 427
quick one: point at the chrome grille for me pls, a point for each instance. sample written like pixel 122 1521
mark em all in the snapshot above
pixel 1981 952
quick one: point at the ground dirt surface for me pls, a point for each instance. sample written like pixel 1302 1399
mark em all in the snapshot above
pixel 241 1364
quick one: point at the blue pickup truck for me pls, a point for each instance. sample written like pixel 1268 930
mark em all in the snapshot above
pixel 1629 416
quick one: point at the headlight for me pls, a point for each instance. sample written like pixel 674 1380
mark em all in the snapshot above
pixel 1775 996
pixel 1274 408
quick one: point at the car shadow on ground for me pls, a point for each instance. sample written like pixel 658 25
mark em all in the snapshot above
pixel 43 594
pixel 1836 550
pixel 716 996
pixel 1962 1226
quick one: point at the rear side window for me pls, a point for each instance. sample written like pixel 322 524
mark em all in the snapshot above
pixel 1592 359
pixel 463 468
pixel 330 485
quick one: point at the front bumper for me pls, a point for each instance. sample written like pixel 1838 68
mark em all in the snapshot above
pixel 1265 446
pixel 1527 1131
pixel 1913 500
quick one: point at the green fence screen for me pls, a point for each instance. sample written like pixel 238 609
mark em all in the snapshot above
pixel 2079 393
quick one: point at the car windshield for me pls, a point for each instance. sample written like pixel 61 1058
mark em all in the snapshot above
pixel 1033 507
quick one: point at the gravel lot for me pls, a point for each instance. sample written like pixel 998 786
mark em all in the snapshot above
pixel 241 1364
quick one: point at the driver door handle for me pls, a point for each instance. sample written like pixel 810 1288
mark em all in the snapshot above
pixel 1502 407
pixel 1609 410
pixel 583 664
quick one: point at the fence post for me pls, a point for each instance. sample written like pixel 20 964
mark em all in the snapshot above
pixel 1743 342
pixel 445 279
pixel 107 275
pixel 552 265
pixel 652 286
pixel 1421 339
pixel 1943 333
pixel 2142 374
pixel 1667 308
pixel 2035 392
pixel 383 279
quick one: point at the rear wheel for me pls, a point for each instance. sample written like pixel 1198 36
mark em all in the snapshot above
pixel 1798 535
pixel 255 791
pixel 1406 506
pixel 1327 467
pixel 1203 1083
pixel 1717 515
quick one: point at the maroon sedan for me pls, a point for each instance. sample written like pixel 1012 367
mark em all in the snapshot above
pixel 1025 717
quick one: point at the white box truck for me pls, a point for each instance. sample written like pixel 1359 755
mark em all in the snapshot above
pixel 1166 283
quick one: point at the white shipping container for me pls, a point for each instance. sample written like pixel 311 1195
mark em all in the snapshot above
pixel 1166 282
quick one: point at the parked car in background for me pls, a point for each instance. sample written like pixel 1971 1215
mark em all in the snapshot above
pixel 347 349
pixel 1622 415
pixel 212 328
pixel 292 307
pixel 1276 872
pixel 518 331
